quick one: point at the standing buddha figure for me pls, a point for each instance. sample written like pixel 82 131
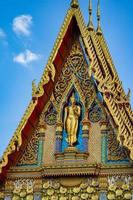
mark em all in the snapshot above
pixel 71 121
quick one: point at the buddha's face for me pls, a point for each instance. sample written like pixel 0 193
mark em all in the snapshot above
pixel 72 100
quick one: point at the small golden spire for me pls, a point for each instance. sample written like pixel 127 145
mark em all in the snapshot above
pixel 90 24
pixel 99 31
pixel 129 94
pixel 74 4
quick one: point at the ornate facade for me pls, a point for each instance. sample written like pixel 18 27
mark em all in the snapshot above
pixel 74 141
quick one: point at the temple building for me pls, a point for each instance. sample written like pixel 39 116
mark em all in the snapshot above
pixel 75 140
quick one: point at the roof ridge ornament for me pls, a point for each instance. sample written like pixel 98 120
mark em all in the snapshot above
pixel 90 24
pixel 99 30
pixel 34 88
pixel 74 4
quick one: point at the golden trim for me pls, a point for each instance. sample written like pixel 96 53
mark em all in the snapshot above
pixel 17 135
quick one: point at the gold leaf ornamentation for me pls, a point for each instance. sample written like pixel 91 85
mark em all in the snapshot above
pixel 90 189
pixel 127 195
pixel 46 185
pixel 50 191
pixel 15 197
pixel 30 154
pixel 76 189
pixel 75 198
pixel 77 67
pixel 23 193
pixel 84 196
pixel 63 190
pixel 29 197
pixel 111 196
pixel 54 198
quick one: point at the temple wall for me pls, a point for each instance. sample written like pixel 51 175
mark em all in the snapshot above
pixel 94 144
pixel 69 188
pixel 49 145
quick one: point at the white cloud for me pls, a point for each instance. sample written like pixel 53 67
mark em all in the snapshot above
pixel 26 57
pixel 22 25
pixel 2 33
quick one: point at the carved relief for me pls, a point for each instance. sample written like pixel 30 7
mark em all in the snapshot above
pixel 95 113
pixel 116 152
pixel 50 116
pixel 119 187
pixel 75 66
pixel 22 189
pixel 30 154
pixel 87 189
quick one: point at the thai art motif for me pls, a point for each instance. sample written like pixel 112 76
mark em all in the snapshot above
pixel 75 75
pixel 87 190
pixel 116 152
pixel 50 116
pixel 119 188
pixel 75 66
pixel 95 113
pixel 23 189
pixel 30 154
pixel 71 121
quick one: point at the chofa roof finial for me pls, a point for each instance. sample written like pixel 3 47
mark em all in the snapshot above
pixel 74 4
pixel 90 24
pixel 99 31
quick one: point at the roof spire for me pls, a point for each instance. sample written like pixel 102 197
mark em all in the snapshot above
pixel 74 4
pixel 90 24
pixel 99 31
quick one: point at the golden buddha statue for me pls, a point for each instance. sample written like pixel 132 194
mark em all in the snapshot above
pixel 71 121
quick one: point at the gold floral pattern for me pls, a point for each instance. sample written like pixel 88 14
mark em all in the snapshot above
pixel 87 190
pixel 119 191
pixel 50 191
pixel 75 66
pixel 30 154
pixel 50 116
pixel 115 150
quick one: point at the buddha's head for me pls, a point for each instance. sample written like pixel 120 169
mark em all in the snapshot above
pixel 72 99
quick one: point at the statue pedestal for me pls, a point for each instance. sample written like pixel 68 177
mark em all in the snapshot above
pixel 71 154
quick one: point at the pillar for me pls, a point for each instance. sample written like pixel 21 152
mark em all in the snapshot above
pixel 41 131
pixel 8 197
pixel 37 196
pixel 85 133
pixel 59 129
pixel 103 196
pixel 8 190
pixel 104 132
pixel 38 189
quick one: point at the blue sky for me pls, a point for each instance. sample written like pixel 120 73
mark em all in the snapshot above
pixel 28 29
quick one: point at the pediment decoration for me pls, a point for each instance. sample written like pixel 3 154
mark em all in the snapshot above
pixel 116 152
pixel 30 154
pixel 79 72
pixel 75 71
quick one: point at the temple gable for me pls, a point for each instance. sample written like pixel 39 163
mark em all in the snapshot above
pixel 74 82
pixel 75 139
